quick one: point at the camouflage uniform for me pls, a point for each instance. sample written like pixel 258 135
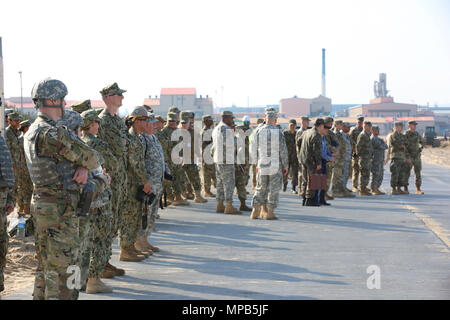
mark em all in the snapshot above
pixel 269 176
pixel 379 147
pixel 415 146
pixel 339 164
pixel 114 132
pixel 398 150
pixel 102 216
pixel 137 176
pixel 298 144
pixel 190 169
pixel 354 133
pixel 242 169
pixel 333 146
pixel 347 159
pixel 23 186
pixel 292 156
pixel 225 172
pixel 310 156
pixel 52 157
pixel 6 197
pixel 364 151
pixel 156 167
pixel 208 170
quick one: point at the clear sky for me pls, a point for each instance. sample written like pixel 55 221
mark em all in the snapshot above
pixel 264 50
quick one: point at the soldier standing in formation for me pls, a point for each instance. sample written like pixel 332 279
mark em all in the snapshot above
pixel 354 133
pixel 415 147
pixel 259 122
pixel 6 202
pixel 379 148
pixel 333 146
pixel 298 145
pixel 338 186
pixel 223 145
pixel 364 151
pixel 242 166
pixel 289 136
pixel 58 167
pixel 272 165
pixel 347 159
pixel 399 156
pixel 208 169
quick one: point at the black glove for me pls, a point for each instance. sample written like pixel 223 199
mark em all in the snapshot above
pixel 142 196
pixel 168 176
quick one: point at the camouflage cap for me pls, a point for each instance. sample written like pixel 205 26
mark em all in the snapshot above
pixel 376 128
pixel 152 118
pixel 272 114
pixel 184 116
pixel 347 124
pixel 112 89
pixel 138 112
pixel 25 123
pixel 398 123
pixel 15 116
pixel 172 116
pixel 319 121
pixel 338 122
pixel 328 119
pixel 293 121
pixel 71 119
pixel 174 109
pixel 270 109
pixel 368 123
pixel 260 120
pixel 161 119
pixel 90 116
pixel 206 117
pixel 48 89
pixel 412 122
pixel 226 113
pixel 306 118
pixel 360 119
pixel 82 106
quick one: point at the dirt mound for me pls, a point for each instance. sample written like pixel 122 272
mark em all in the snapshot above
pixel 21 264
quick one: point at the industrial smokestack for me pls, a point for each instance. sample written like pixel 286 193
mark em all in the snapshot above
pixel 324 90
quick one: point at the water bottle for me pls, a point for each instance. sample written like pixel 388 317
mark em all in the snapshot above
pixel 21 228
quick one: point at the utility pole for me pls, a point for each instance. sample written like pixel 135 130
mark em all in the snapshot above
pixel 2 93
pixel 21 92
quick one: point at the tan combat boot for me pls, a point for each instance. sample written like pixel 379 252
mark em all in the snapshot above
pixel 338 194
pixel 169 199
pixel 364 192
pixel 128 254
pixel 141 248
pixel 255 212
pixel 229 209
pixel 418 191
pixel 355 189
pixel 406 191
pixel 243 206
pixel 376 192
pixel 118 271
pixel 187 195
pixel 179 201
pixel 209 194
pixel 220 207
pixel 349 194
pixel 198 197
pixel 328 197
pixel 270 215
pixel 95 285
pixel 107 274
pixel 400 191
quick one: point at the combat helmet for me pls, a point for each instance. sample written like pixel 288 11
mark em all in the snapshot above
pixel 89 116
pixel 71 119
pixel 48 89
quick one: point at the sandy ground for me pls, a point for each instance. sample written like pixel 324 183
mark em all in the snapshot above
pixel 20 264
pixel 440 155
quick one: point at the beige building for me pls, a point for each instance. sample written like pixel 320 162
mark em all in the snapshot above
pixel 294 107
pixel 183 98
pixel 384 107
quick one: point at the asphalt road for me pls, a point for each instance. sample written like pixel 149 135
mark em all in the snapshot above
pixel 309 253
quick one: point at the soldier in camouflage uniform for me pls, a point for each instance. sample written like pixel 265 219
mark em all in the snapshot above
pixel 272 165
pixel 259 122
pixel 208 169
pixel 174 187
pixel 24 126
pixel 339 162
pixel 157 169
pixel 364 151
pixel 399 156
pixel 193 149
pixel 137 177
pixel 415 146
pixel 347 159
pixel 289 136
pixel 81 106
pixel 333 146
pixel 23 187
pixel 6 202
pixel 114 132
pixel 224 144
pixel 298 145
pixel 379 148
pixel 58 167
pixel 101 215
pixel 354 133
pixel 175 110
pixel 242 166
